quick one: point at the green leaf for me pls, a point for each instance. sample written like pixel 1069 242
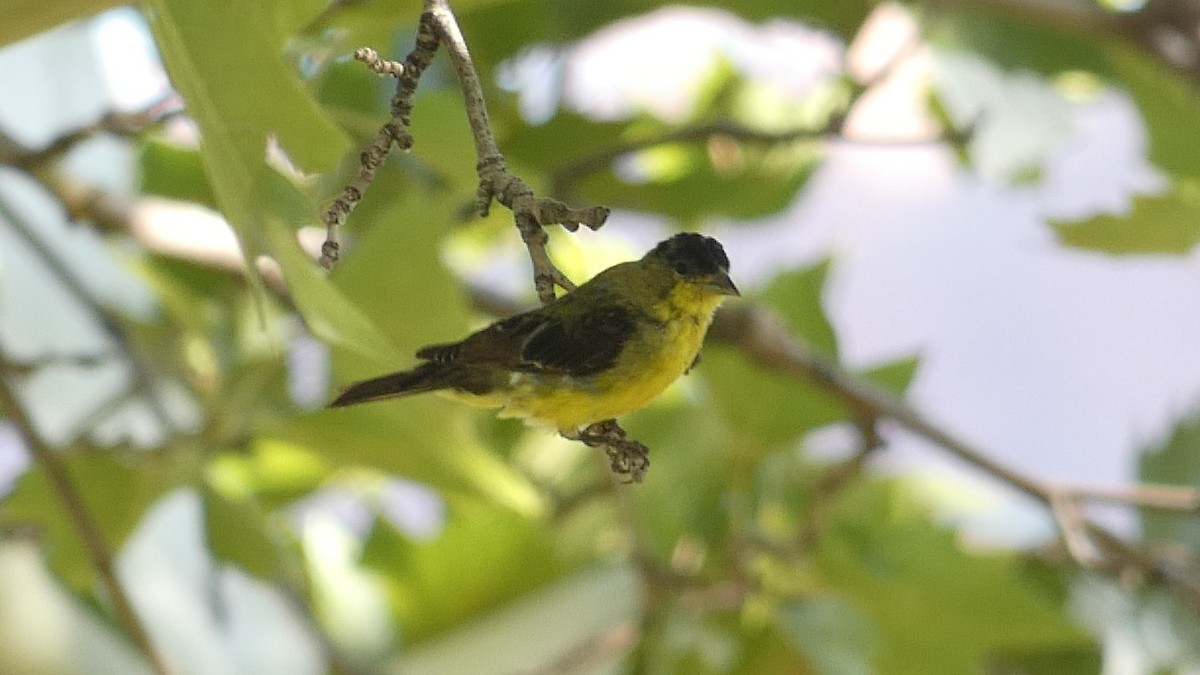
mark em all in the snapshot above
pixel 427 439
pixel 834 636
pixel 271 472
pixel 352 92
pixel 937 607
pixel 484 557
pixel 237 532
pixel 694 459
pixel 1170 106
pixel 439 117
pixel 1159 224
pixel 766 407
pixel 1015 44
pixel 796 297
pixel 114 492
pixel 25 18
pixel 1082 659
pixel 395 274
pixel 563 139
pixel 895 376
pixel 292 15
pixel 1175 462
pixel 227 64
pixel 1164 223
pixel 168 170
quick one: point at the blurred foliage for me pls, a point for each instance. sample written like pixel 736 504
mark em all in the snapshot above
pixel 740 553
pixel 1175 462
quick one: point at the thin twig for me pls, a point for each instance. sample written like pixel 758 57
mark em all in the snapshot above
pixel 1150 496
pixel 393 134
pixel 531 214
pixel 1073 527
pixel 117 123
pixel 85 526
pixel 568 174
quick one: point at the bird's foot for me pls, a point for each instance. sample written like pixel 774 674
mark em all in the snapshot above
pixel 627 458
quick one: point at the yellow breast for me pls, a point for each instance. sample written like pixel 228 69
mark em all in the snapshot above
pixel 654 358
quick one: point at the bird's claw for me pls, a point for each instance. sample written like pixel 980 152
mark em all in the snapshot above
pixel 627 459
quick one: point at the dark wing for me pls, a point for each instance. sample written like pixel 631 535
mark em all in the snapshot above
pixel 544 342
pixel 581 345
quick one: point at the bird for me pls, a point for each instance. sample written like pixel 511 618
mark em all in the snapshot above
pixel 604 350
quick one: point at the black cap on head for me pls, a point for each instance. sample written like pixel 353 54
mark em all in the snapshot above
pixel 692 254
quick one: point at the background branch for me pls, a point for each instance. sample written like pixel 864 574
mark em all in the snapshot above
pixel 85 526
pixel 762 337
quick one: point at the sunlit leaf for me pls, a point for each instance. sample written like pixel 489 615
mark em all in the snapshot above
pixel 485 556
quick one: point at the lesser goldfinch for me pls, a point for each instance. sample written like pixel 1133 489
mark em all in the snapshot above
pixel 604 350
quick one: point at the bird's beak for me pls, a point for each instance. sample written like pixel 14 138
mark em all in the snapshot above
pixel 721 284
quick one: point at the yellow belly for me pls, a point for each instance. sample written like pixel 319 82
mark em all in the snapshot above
pixel 648 366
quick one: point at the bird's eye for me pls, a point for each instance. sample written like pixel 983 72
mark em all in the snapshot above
pixel 682 268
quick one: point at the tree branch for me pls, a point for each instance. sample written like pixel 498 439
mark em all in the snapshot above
pixel 118 123
pixel 1150 496
pixel 564 177
pixel 393 134
pixel 530 214
pixel 762 337
pixel 85 526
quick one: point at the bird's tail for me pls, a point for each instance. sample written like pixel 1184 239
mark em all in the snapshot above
pixel 425 377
